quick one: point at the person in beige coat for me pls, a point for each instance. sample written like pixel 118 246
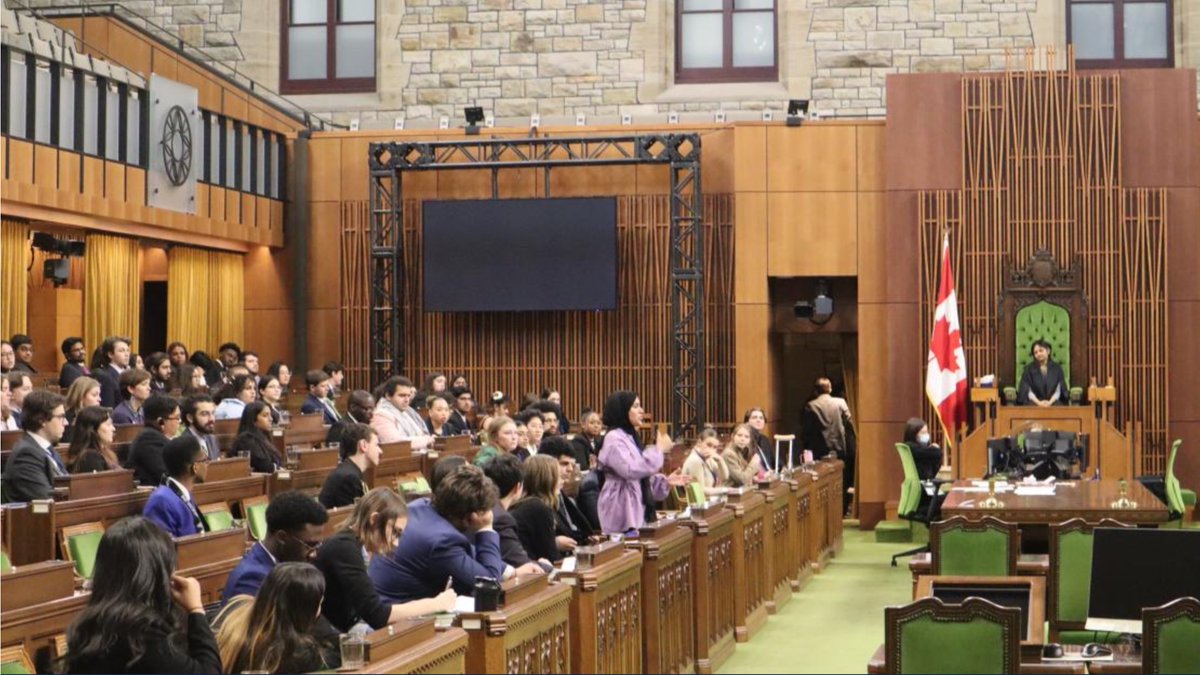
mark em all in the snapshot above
pixel 704 464
pixel 742 458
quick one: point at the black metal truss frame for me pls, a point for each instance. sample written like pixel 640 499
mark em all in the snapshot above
pixel 389 160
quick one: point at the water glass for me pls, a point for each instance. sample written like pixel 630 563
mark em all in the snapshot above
pixel 353 651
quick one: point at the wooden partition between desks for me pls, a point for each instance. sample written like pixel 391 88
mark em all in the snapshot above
pixel 781 541
pixel 713 586
pixel 750 561
pixel 530 634
pixel 668 613
pixel 606 609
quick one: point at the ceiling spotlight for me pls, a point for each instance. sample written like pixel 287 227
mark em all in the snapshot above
pixel 797 111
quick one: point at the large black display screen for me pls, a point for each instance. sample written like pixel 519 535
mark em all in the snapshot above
pixel 518 255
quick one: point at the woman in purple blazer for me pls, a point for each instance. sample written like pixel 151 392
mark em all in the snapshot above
pixel 633 482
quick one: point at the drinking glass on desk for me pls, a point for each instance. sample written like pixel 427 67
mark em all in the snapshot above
pixel 353 651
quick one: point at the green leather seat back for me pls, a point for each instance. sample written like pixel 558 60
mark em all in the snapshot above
pixel 1179 646
pixel 1074 580
pixel 13 668
pixel 83 551
pixel 1174 492
pixel 219 520
pixel 930 646
pixel 973 553
pixel 910 489
pixel 5 563
pixel 256 515
pixel 695 493
pixel 1044 321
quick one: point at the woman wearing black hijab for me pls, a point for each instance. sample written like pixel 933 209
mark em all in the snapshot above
pixel 632 479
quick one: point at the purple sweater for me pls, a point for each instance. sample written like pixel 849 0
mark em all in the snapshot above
pixel 620 505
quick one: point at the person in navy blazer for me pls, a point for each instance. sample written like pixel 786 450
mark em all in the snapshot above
pixel 34 463
pixel 448 539
pixel 76 364
pixel 316 401
pixel 295 527
pixel 171 505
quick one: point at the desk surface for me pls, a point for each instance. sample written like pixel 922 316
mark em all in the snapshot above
pixel 1089 499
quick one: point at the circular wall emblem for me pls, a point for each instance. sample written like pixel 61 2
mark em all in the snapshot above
pixel 177 146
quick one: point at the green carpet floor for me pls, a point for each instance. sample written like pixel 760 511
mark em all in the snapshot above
pixel 835 623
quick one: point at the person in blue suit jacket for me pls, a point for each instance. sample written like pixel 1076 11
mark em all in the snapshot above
pixel 448 539
pixel 295 527
pixel 171 505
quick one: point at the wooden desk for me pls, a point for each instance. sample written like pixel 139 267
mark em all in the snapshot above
pixel 668 618
pixel 818 518
pixel 1028 565
pixel 751 562
pixel 96 484
pixel 231 491
pixel 1035 616
pixel 875 665
pixel 713 586
pixel 781 542
pixel 527 635
pixel 606 610
pixel 34 584
pixel 1087 499
pixel 210 557
pixel 325 458
pixel 413 646
pixel 36 627
pixel 227 468
pixel 805 487
pixel 397 461
pixel 34 529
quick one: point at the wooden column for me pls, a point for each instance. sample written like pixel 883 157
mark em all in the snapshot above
pixel 668 615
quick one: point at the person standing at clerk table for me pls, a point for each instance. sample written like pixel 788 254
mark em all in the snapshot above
pixel 76 363
pixel 35 463
pixel 295 527
pixel 359 449
pixel 632 481
pixel 1043 383
pixel 394 418
pixel 171 506
pixel 135 389
pixel 146 453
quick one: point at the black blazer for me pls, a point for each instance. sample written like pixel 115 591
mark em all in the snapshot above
pixel 88 461
pixel 350 594
pixel 570 520
pixel 30 472
pixel 162 656
pixel 263 457
pixel 589 498
pixel 342 486
pixel 505 525
pixel 146 457
pixel 71 372
pixel 110 389
pixel 928 459
pixel 450 428
pixel 535 527
pixel 584 449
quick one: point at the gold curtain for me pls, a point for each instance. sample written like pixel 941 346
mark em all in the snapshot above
pixel 14 280
pixel 112 289
pixel 205 298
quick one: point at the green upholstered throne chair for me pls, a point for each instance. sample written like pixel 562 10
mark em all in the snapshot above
pixel 1043 301
pixel 929 636
pixel 1171 637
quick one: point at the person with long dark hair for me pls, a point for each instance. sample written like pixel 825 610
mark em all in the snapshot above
pixel 632 481
pixel 757 419
pixel 271 393
pixel 280 371
pixel 133 623
pixel 191 380
pixel 274 632
pixel 254 439
pixel 742 457
pixel 91 442
pixel 926 455
pixel 162 374
pixel 235 396
pixel 535 511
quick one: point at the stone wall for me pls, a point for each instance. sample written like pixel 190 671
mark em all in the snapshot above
pixel 605 58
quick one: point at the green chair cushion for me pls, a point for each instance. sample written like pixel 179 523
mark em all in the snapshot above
pixel 1189 497
pixel 256 515
pixel 5 563
pixel 929 646
pixel 218 520
pixel 973 553
pixel 83 551
pixel 1179 646
pixel 1044 321
pixel 13 668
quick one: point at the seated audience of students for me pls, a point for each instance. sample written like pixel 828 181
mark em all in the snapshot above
pixel 234 397
pixel 360 408
pixel 161 373
pixel 19 386
pixel 254 439
pixel 199 420
pixel 92 442
pixel 531 419
pixel 439 423
pixel 295 526
pixel 84 392
pixel 171 505
pixel 704 464
pixel 217 370
pixel 278 630
pixel 109 360
pixel 145 458
pixel 742 457
pixel 535 512
pixel 450 539
pixel 317 401
pixel 359 450
pixel 135 621
pixel 75 365
pixel 395 419
pixel 757 419
pixel 34 462
pixel 23 352
pixel 270 392
pixel 135 389
pixel 505 472
pixel 250 361
pixel 373 530
pixel 576 517
pixel 501 439
pixel 8 358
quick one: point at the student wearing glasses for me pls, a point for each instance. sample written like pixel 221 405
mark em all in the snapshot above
pixel 162 417
pixel 295 526
pixel 171 506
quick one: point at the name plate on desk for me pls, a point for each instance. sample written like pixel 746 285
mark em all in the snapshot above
pixel 398 637
pixel 588 557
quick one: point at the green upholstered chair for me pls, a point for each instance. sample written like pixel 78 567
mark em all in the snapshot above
pixel 1178 499
pixel 1043 321
pixel 1171 637
pixel 79 545
pixel 255 512
pixel 5 562
pixel 15 661
pixel 930 636
pixel 974 548
pixel 911 492
pixel 1069 582
pixel 217 516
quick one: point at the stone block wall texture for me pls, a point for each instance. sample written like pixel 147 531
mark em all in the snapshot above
pixel 610 57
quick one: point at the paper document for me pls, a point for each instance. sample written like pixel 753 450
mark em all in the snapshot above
pixel 1035 490
pixel 464 603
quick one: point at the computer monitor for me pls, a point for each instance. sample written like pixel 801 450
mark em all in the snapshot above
pixel 1136 568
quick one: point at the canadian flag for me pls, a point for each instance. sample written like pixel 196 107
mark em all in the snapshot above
pixel 946 374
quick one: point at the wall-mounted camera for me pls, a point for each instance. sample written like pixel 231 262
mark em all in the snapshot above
pixel 820 309
pixel 57 270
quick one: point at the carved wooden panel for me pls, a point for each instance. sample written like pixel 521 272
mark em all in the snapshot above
pixel 675 634
pixel 1042 170
pixel 586 355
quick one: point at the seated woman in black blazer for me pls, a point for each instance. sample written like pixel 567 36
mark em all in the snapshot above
pixel 92 445
pixel 926 455
pixel 534 513
pixel 350 597
pixel 254 439
pixel 131 623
